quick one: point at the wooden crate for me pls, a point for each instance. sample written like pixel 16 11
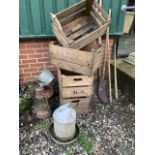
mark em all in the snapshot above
pixel 81 104
pixel 85 61
pixel 80 24
pixel 73 85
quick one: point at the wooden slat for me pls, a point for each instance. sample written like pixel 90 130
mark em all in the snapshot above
pixel 81 105
pixel 76 91
pixel 95 19
pixel 98 59
pixel 81 80
pixel 92 46
pixel 71 66
pixel 81 31
pixel 60 36
pixel 78 44
pixel 98 16
pixel 59 81
pixel 104 14
pixel 76 24
pixel 71 55
pixel 73 16
pixel 70 10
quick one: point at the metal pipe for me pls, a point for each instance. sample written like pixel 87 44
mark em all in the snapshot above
pixel 124 7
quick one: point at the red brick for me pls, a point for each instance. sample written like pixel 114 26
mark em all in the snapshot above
pixel 26 51
pixel 36 56
pixel 46 55
pixel 21 71
pixel 24 66
pixel 22 46
pixel 41 50
pixel 30 70
pixel 30 41
pixel 43 60
pixel 22 56
pixel 36 73
pixel 29 61
pixel 40 69
pixel 31 78
pixel 33 46
pixel 37 65
pixel 45 45
pixel 25 74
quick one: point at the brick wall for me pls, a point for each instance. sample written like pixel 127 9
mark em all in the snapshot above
pixel 33 57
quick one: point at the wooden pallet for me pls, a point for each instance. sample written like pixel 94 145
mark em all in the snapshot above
pixel 80 24
pixel 85 61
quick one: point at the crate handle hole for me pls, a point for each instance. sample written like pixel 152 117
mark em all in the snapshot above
pixel 77 79
pixel 75 101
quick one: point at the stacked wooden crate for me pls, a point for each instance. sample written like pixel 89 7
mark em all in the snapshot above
pixel 75 89
pixel 80 54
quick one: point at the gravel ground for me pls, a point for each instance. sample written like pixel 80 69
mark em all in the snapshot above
pixel 110 129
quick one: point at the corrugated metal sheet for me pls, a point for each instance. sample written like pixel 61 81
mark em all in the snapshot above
pixel 34 16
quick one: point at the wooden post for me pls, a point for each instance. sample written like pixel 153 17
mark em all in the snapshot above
pixel 109 70
pixel 115 73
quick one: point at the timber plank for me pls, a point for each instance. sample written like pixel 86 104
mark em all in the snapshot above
pixel 81 80
pixel 104 13
pixel 70 10
pixel 71 66
pixel 81 91
pixel 81 105
pixel 82 31
pixel 76 24
pixel 78 44
pixel 98 16
pixel 70 55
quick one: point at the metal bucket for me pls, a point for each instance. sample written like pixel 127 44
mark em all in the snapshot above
pixel 45 77
pixel 65 130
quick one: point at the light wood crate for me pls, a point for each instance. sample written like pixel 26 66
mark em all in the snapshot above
pixel 85 61
pixel 72 85
pixel 80 24
pixel 80 105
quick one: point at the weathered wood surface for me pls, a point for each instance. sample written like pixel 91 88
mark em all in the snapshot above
pixel 81 80
pixel 104 13
pixel 82 30
pixel 76 24
pixel 79 61
pixel 81 105
pixel 81 42
pixel 80 91
pixel 76 68
pixel 125 67
pixel 71 55
pixel 60 36
pixel 98 16
pixel 89 5
pixel 70 10
pixel 73 16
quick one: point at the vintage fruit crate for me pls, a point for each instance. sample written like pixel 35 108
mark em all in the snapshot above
pixel 72 85
pixel 85 61
pixel 80 24
pixel 80 104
